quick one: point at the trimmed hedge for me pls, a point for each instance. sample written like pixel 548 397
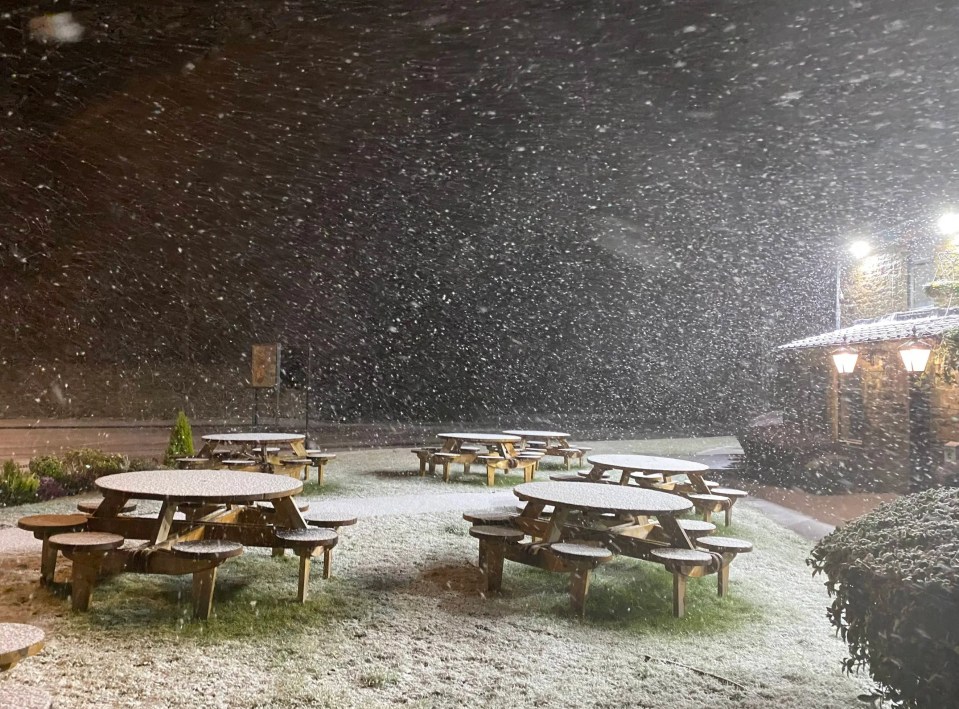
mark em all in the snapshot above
pixel 894 578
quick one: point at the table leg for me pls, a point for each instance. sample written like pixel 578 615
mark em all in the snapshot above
pixel 674 533
pixel 287 514
pixel 554 532
pixel 595 473
pixel 328 562
pixel 167 510
pixel 298 448
pixel 112 504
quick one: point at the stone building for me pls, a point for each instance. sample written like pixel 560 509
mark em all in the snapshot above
pixel 877 426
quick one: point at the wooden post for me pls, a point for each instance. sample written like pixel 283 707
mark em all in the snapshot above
pixel 328 562
pixel 203 583
pixel 83 578
pixel 679 594
pixel 578 589
pixel 48 562
pixel 491 564
pixel 490 475
pixel 723 574
pixel 304 575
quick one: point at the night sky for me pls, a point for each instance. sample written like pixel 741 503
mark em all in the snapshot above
pixel 605 209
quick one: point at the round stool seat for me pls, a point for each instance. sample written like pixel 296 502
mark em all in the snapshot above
pixel 696 526
pixel 330 519
pixel 682 557
pixel 53 524
pixel 729 492
pixel 496 533
pixel 706 499
pixel 493 517
pixel 307 538
pixel 212 549
pixel 86 541
pixel 725 544
pixel 581 551
pixel 90 506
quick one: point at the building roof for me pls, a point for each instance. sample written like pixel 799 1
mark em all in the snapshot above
pixel 926 322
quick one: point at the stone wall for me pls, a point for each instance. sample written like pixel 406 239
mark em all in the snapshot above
pixel 875 286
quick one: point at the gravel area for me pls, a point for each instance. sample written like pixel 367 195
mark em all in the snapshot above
pixel 403 621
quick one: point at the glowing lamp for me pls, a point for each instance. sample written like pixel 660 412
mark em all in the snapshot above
pixel 845 359
pixel 915 355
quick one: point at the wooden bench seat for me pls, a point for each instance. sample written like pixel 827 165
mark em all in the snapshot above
pixel 213 550
pixel 330 520
pixel 706 504
pixel 424 453
pixel 86 550
pixel 241 464
pixel 536 444
pixel 727 548
pixel 319 459
pixel 567 477
pixel 495 517
pixel 445 459
pixel 569 454
pixel 493 540
pixel 733 494
pixel 583 558
pixel 305 543
pixel 295 467
pixel 46 526
pixel 90 506
pixel 681 563
pixel 192 463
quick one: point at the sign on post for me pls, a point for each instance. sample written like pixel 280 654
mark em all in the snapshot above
pixel 266 366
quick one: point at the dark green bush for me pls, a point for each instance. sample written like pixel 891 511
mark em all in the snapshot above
pixel 47 466
pixel 894 578
pixel 17 485
pixel 181 440
pixel 84 465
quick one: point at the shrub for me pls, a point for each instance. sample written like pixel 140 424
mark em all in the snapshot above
pixel 181 440
pixel 17 485
pixel 893 577
pixel 47 466
pixel 82 466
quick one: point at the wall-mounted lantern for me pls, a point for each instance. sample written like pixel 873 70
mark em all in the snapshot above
pixel 845 359
pixel 915 355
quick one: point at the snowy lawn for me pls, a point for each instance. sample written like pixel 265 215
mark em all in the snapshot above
pixel 403 623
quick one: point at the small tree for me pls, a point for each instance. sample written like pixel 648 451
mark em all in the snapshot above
pixel 181 440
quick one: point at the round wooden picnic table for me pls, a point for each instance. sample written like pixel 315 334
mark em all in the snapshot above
pixel 538 434
pixel 640 463
pixel 480 437
pixel 603 498
pixel 212 486
pixel 253 438
pixel 17 641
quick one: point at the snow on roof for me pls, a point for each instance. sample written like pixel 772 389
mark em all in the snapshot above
pixel 926 322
